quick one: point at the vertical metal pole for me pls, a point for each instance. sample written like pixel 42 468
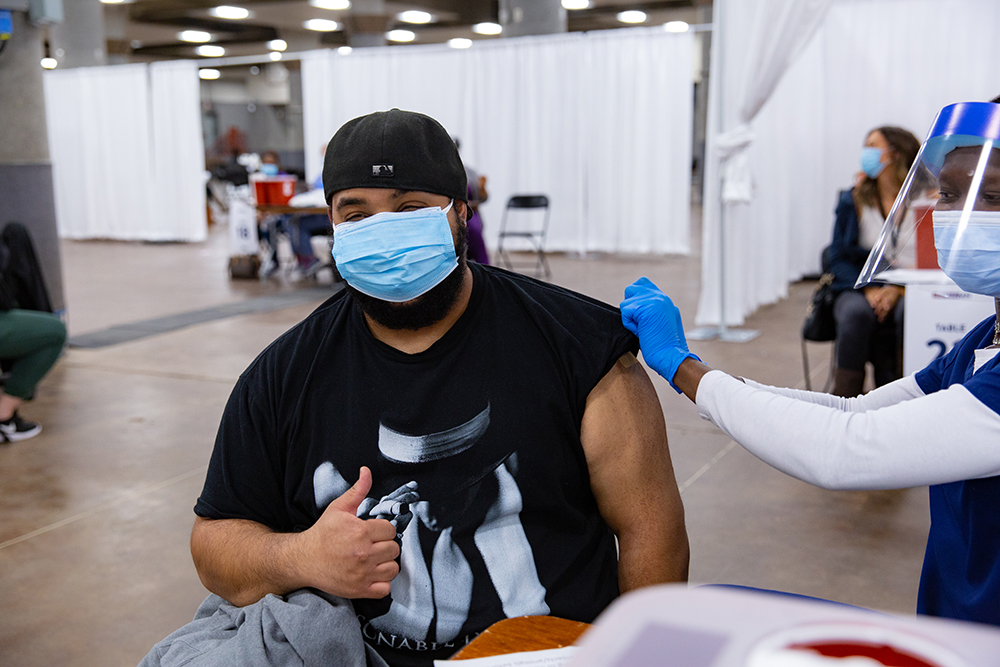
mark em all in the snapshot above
pixel 722 332
pixel 722 268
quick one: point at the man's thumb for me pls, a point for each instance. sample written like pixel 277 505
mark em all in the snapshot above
pixel 353 497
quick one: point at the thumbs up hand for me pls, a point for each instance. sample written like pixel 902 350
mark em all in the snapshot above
pixel 348 556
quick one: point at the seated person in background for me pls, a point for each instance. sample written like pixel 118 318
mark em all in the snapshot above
pixel 300 228
pixel 33 340
pixel 31 336
pixel 268 225
pixel 477 195
pixel 444 443
pixel 869 320
pixel 270 164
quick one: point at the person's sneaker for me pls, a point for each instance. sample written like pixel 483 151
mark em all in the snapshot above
pixel 16 428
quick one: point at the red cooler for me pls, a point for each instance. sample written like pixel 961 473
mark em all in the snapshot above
pixel 273 189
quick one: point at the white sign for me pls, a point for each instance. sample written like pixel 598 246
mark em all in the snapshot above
pixel 937 316
pixel 242 226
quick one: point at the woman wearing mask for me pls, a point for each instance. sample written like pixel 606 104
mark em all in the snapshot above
pixel 940 426
pixel 869 320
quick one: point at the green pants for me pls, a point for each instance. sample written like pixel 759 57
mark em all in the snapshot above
pixel 33 340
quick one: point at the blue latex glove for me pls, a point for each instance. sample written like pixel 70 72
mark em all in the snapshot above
pixel 652 316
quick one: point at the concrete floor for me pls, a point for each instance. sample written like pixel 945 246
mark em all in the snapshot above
pixel 95 513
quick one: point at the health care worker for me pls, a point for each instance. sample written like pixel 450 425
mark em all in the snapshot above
pixel 938 427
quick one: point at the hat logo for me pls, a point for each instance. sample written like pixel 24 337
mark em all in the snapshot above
pixel 382 170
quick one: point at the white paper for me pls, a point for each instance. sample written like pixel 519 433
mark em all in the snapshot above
pixel 312 198
pixel 556 657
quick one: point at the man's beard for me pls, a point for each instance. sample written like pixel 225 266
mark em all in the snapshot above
pixel 429 308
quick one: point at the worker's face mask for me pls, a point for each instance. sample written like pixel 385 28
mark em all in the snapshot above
pixel 871 162
pixel 396 256
pixel 269 169
pixel 972 258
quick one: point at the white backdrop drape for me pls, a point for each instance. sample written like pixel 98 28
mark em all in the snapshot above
pixel 869 63
pixel 127 152
pixel 600 122
pixel 178 152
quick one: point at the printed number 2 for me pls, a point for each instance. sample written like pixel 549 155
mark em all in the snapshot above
pixel 940 345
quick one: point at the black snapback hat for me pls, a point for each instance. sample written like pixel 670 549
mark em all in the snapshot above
pixel 401 150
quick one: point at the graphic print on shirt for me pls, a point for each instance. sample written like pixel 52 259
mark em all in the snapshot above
pixel 448 537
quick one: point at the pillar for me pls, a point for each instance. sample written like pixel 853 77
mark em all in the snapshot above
pixel 367 23
pixel 704 14
pixel 79 40
pixel 26 193
pixel 532 17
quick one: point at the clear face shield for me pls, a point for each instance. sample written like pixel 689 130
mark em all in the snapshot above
pixel 947 214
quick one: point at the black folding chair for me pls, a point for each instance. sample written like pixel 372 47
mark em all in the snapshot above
pixel 526 217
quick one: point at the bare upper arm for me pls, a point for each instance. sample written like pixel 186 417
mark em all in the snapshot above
pixel 624 438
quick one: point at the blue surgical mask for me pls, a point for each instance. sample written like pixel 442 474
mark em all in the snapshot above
pixel 396 256
pixel 871 162
pixel 269 169
pixel 973 259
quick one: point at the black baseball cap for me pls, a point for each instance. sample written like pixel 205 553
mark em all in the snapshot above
pixel 401 150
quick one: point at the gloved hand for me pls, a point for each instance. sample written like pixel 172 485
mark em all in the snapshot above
pixel 652 316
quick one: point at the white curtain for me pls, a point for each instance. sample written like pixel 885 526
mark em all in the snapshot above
pixel 599 122
pixel 127 154
pixel 178 153
pixel 870 63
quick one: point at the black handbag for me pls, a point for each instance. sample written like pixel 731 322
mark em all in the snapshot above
pixel 820 325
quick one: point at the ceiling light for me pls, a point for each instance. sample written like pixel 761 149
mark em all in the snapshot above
pixel 487 28
pixel 676 26
pixel 277 45
pixel 400 35
pixel 344 50
pixel 575 4
pixel 275 55
pixel 210 51
pixel 414 16
pixel 49 63
pixel 209 74
pixel 331 4
pixel 194 36
pixel 229 12
pixel 459 43
pixel 321 25
pixel 632 16
pixel 112 2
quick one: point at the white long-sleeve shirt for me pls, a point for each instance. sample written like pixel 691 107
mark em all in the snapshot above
pixel 893 437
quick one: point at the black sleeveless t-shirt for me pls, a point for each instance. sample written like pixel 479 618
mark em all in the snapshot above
pixel 485 424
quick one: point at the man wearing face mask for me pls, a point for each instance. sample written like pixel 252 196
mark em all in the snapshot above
pixel 446 444
pixel 940 426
